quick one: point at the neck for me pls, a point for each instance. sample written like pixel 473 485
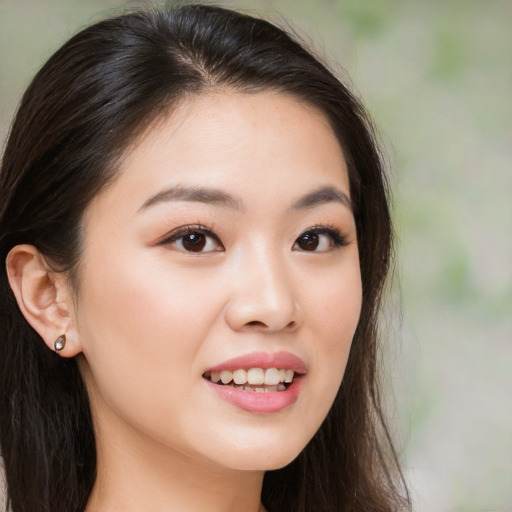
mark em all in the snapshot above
pixel 136 474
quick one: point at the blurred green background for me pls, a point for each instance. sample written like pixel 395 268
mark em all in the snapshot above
pixel 437 77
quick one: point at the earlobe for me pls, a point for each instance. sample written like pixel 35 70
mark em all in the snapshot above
pixel 43 297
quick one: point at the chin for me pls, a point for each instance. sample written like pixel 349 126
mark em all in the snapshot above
pixel 262 456
pixel 272 461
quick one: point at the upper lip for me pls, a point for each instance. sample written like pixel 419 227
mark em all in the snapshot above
pixel 280 360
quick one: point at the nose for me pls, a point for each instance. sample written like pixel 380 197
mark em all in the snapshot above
pixel 263 296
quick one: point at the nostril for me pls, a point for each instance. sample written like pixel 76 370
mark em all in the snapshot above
pixel 256 323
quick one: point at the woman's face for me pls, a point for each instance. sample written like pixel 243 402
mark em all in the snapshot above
pixel 226 248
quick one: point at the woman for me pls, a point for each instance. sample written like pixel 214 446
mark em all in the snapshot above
pixel 196 235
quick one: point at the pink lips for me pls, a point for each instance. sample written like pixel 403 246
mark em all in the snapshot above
pixel 269 402
pixel 262 360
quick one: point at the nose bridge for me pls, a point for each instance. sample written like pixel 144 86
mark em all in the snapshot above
pixel 263 293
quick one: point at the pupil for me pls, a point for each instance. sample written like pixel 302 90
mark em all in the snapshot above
pixel 309 242
pixel 194 242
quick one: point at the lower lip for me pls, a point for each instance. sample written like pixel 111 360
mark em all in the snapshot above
pixel 268 402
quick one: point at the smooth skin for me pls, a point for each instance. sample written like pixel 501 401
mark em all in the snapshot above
pixel 175 279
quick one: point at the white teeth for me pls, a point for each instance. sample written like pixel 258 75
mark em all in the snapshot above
pixel 240 377
pixel 272 377
pixel 255 376
pixel 258 389
pixel 226 376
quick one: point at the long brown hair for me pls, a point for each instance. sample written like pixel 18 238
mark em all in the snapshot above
pixel 81 112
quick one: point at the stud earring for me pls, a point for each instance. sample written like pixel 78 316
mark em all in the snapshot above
pixel 60 343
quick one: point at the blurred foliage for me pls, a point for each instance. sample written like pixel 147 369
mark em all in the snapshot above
pixel 437 78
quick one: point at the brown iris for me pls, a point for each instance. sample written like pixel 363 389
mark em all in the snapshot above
pixel 194 242
pixel 308 242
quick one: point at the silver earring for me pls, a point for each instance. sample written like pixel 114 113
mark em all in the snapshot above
pixel 60 343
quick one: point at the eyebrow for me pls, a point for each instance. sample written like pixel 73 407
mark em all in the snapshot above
pixel 207 195
pixel 194 194
pixel 320 196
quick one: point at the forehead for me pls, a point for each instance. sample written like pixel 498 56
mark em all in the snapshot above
pixel 247 142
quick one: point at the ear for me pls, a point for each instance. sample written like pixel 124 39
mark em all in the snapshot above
pixel 44 297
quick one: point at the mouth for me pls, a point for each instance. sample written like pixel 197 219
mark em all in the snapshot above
pixel 258 382
pixel 254 380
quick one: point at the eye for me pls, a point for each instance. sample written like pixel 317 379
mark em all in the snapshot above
pixel 320 239
pixel 197 239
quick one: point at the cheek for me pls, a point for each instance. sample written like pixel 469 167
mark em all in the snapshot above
pixel 334 317
pixel 141 327
pixel 145 302
pixel 336 304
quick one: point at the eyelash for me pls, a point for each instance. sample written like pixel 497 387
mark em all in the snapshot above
pixel 337 238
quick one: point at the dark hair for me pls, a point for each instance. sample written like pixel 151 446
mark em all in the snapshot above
pixel 83 109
